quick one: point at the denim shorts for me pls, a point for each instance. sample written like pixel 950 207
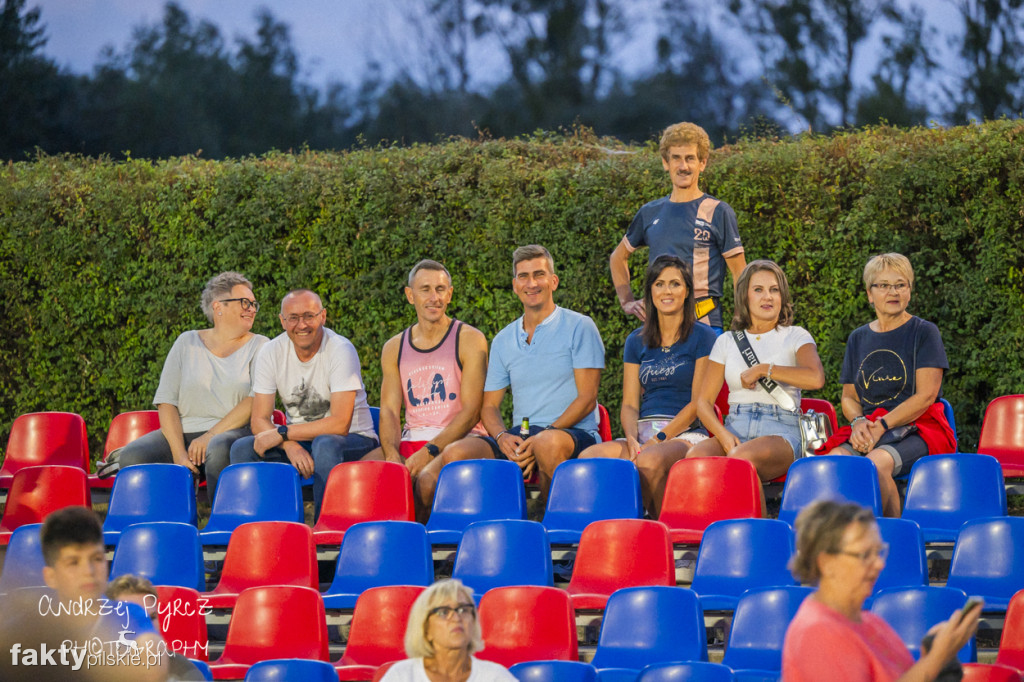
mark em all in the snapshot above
pixel 748 421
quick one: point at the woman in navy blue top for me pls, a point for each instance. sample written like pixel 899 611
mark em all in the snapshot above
pixel 663 362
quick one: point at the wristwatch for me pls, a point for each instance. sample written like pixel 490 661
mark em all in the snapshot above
pixel 433 449
pixel 283 430
pixel 661 436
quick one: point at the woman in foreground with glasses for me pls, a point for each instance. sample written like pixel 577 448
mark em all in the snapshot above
pixel 205 393
pixel 892 380
pixel 839 550
pixel 441 637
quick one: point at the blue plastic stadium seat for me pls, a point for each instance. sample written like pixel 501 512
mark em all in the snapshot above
pixel 759 629
pixel 689 671
pixel 644 625
pixel 554 671
pixel 286 669
pixel 253 491
pixel 585 490
pixel 376 553
pixel 475 490
pixel 736 555
pixel 149 492
pixel 988 561
pixel 23 563
pixel 946 490
pixel 165 552
pixel 906 565
pixel 502 553
pixel 836 477
pixel 911 611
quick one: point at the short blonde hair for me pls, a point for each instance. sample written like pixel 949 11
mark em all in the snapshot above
pixel 416 644
pixel 679 134
pixel 888 261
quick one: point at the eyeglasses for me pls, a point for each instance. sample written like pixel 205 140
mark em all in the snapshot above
pixel 886 287
pixel 445 612
pixel 246 303
pixel 869 555
pixel 308 318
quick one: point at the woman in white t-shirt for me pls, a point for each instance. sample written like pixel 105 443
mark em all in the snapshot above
pixel 761 427
pixel 442 634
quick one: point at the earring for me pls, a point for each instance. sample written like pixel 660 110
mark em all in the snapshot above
pixel 220 314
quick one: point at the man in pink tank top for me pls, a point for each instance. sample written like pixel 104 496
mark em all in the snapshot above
pixel 434 369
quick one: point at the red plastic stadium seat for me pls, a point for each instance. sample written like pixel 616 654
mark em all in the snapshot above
pixel 124 428
pixel 618 553
pixel 363 491
pixel 979 672
pixel 277 621
pixel 378 630
pixel 821 406
pixel 1011 645
pixel 1002 434
pixel 279 418
pixel 527 623
pixel 181 621
pixel 265 553
pixel 42 438
pixel 604 423
pixel 702 490
pixel 37 491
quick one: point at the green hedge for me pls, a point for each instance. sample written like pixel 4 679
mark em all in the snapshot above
pixel 102 263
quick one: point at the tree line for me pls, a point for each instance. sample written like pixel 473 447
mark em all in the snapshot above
pixel 758 68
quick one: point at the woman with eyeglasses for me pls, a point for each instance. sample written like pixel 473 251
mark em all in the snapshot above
pixel 441 636
pixel 892 381
pixel 840 551
pixel 205 391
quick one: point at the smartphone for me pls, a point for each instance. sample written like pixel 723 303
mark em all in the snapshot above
pixel 972 602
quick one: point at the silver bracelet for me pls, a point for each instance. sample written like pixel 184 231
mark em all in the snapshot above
pixel 771 366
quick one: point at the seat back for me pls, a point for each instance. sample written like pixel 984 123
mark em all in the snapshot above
pixel 604 423
pixel 759 627
pixel 944 491
pixel 165 552
pixel 656 624
pixel 375 417
pixel 837 477
pixel 912 611
pixel 527 623
pixel 38 490
pixel 947 411
pixel 554 671
pixel 151 492
pixel 585 490
pixel 988 561
pixel 477 490
pixel 821 406
pixel 907 564
pixel 503 552
pixel 128 426
pixel 702 490
pixel 1011 644
pixel 269 553
pixel 42 438
pixel 254 491
pixel 23 562
pixel 181 621
pixel 736 555
pixel 366 491
pixel 285 669
pixel 617 553
pixel 689 671
pixel 376 553
pixel 1002 432
pixel 276 621
pixel 378 625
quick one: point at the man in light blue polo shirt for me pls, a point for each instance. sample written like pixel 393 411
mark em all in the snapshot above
pixel 552 358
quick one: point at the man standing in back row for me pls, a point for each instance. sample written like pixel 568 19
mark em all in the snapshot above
pixel 694 226
pixel 552 359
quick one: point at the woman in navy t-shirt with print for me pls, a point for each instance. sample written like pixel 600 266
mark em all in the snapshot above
pixel 892 380
pixel 663 364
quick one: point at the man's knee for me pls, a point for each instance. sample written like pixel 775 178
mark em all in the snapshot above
pixel 243 450
pixel 465 448
pixel 551 448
